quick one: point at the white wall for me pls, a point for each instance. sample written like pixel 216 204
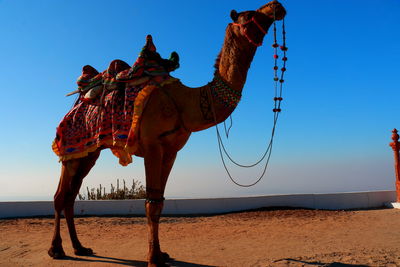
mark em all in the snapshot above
pixel 339 201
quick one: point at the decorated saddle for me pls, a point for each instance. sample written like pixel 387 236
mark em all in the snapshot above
pixel 92 83
pixel 108 111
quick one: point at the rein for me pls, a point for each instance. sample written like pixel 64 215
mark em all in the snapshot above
pixel 278 85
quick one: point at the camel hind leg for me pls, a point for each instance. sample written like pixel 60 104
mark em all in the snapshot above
pixel 72 174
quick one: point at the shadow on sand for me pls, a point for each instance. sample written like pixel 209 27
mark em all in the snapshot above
pixel 317 263
pixel 111 260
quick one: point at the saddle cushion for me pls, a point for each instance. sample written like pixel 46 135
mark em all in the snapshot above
pixel 115 67
pixel 88 72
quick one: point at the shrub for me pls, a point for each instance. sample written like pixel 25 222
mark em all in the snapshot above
pixel 136 191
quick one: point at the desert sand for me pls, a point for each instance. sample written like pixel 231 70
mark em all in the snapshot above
pixel 274 237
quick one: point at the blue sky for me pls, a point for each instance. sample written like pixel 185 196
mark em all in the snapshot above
pixel 341 97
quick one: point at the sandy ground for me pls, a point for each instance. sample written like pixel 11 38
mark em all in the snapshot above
pixel 255 238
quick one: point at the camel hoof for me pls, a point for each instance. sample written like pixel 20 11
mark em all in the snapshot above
pixel 160 260
pixel 56 253
pixel 165 256
pixel 82 251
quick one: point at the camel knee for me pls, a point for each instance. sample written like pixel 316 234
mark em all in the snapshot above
pixel 59 202
pixel 64 200
pixel 69 200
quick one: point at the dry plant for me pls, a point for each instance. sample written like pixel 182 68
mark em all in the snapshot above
pixel 136 191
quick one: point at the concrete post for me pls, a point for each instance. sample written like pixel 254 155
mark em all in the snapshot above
pixel 396 147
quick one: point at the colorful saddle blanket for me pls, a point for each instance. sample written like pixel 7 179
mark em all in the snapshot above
pixel 111 120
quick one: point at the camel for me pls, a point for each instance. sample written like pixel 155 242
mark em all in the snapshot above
pixel 172 113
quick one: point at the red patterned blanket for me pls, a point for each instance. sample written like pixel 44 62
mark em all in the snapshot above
pixel 111 119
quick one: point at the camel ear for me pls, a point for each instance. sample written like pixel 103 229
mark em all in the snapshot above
pixel 234 15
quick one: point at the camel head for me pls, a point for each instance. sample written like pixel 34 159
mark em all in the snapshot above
pixel 255 24
pixel 270 8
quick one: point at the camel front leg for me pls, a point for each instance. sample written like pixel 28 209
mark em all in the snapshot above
pixel 153 213
pixel 56 250
pixel 155 186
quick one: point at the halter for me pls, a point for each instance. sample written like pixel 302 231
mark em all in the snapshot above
pixel 224 93
pixel 243 30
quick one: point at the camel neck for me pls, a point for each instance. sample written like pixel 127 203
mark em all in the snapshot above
pixel 234 59
pixel 230 75
pixel 215 101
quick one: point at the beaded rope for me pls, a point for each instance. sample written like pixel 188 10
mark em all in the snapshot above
pixel 278 93
pixel 224 93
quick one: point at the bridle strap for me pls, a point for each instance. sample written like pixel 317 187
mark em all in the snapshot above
pixel 244 30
